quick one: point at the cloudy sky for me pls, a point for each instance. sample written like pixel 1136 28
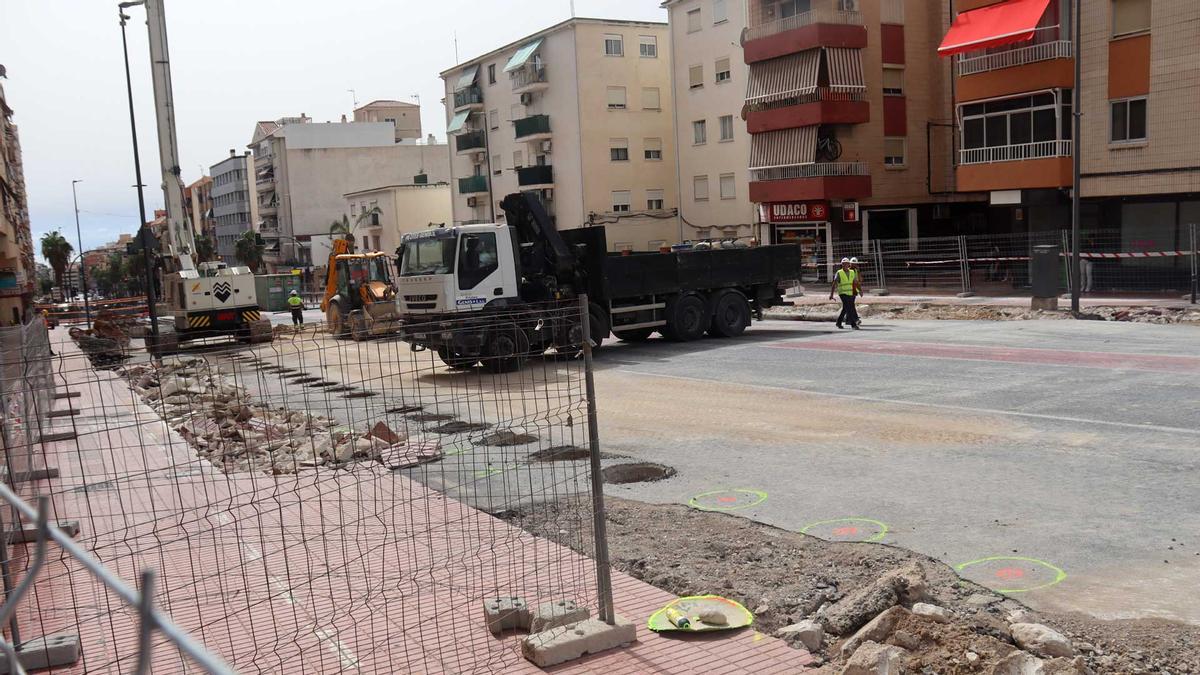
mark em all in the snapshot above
pixel 233 62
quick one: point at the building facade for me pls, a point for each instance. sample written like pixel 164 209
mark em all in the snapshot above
pixel 381 215
pixel 578 114
pixel 197 203
pixel 304 169
pixel 18 276
pixel 234 207
pixel 406 117
pixel 713 145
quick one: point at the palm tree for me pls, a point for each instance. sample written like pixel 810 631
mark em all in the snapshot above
pixel 57 251
pixel 206 250
pixel 344 228
pixel 249 248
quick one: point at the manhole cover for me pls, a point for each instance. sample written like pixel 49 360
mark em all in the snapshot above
pixel 637 472
pixel 404 410
pixel 459 427
pixel 506 438
pixel 430 417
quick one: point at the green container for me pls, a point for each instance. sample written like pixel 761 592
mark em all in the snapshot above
pixel 273 290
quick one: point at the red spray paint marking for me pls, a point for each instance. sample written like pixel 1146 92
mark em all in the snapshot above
pixel 726 500
pixel 845 531
pixel 1008 573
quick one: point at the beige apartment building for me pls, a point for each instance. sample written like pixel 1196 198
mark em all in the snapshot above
pixel 406 117
pixel 709 86
pixel 580 115
pixel 17 272
pixel 394 210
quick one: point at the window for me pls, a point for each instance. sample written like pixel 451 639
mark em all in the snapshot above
pixel 491 73
pixel 652 149
pixel 477 259
pixel 618 149
pixel 793 7
pixel 693 20
pixel 623 246
pixel 1129 120
pixel 656 244
pixel 699 132
pixel 654 200
pixel 728 190
pixel 720 12
pixel 518 161
pixel 847 5
pixel 366 243
pixel 1130 16
pixel 893 81
pixel 695 77
pixel 893 151
pixel 616 98
pixel 651 99
pixel 621 201
pixel 726 127
pixel 493 119
pixel 614 45
pixel 375 242
pixel 648 46
pixel 1015 121
pixel 700 188
pixel 496 167
pixel 722 68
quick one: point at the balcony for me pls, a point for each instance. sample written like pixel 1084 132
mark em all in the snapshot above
pixel 472 185
pixel 533 128
pixel 1015 153
pixel 819 27
pixel 468 99
pixel 1045 164
pixel 824 180
pixel 529 78
pixel 535 176
pixel 801 109
pixel 1045 46
pixel 470 142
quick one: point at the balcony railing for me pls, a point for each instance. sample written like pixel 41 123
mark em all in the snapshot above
pixel 801 97
pixel 535 175
pixel 528 75
pixel 472 184
pixel 815 16
pixel 469 141
pixel 1045 45
pixel 532 125
pixel 1014 153
pixel 819 170
pixel 468 97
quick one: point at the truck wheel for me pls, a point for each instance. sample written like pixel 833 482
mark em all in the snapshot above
pixel 635 335
pixel 455 359
pixel 571 340
pixel 507 349
pixel 731 315
pixel 687 319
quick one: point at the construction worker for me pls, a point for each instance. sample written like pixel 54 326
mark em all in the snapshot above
pixel 296 303
pixel 847 285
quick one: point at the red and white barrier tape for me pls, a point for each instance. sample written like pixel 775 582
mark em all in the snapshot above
pixel 1086 256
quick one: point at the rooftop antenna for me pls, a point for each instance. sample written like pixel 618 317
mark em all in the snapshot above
pixel 455 46
pixel 354 97
pixel 572 9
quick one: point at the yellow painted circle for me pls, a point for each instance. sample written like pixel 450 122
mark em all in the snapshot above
pixel 1059 573
pixel 878 536
pixel 735 496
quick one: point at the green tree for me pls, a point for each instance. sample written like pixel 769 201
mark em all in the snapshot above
pixel 346 229
pixel 206 250
pixel 249 248
pixel 57 252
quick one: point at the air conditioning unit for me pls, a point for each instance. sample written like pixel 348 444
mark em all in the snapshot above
pixel 546 145
pixel 479 157
pixel 527 98
pixel 471 202
pixel 547 194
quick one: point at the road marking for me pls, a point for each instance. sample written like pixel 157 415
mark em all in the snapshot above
pixel 940 406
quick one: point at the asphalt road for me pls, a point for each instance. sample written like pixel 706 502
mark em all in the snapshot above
pixel 1067 451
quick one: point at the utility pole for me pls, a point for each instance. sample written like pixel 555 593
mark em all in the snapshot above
pixel 87 307
pixel 1076 153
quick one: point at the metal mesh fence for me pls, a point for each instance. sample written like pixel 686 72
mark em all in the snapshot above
pixel 317 504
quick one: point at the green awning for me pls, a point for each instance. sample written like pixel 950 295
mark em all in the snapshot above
pixel 522 55
pixel 467 78
pixel 456 124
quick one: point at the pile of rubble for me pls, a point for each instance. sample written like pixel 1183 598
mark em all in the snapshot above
pixel 236 434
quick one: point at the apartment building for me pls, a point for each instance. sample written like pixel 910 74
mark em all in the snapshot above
pixel 383 214
pixel 302 170
pixel 579 114
pixel 234 208
pixel 198 204
pixel 713 145
pixel 406 117
pixel 1014 76
pixel 18 275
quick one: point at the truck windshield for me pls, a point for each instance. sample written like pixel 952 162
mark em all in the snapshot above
pixel 428 256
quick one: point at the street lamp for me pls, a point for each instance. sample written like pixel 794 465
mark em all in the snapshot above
pixel 87 307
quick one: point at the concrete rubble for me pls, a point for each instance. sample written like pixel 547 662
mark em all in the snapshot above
pixel 225 425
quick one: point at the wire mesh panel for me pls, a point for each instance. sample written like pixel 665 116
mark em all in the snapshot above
pixel 323 505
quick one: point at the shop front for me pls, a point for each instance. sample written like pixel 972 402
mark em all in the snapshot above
pixel 805 223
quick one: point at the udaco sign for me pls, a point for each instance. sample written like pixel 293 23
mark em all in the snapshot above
pixel 794 212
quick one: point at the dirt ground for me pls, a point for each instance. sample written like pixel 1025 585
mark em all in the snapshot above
pixel 785 577
pixel 878 308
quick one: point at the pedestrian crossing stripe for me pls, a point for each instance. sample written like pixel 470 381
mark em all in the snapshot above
pixel 250 315
pixel 200 321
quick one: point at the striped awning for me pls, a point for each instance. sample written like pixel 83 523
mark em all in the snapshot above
pixel 522 55
pixel 786 147
pixel 467 78
pixel 785 77
pixel 458 122
pixel 845 69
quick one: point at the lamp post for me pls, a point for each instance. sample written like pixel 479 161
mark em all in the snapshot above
pixel 87 307
pixel 1076 152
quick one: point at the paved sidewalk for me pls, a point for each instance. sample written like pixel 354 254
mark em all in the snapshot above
pixel 815 296
pixel 387 578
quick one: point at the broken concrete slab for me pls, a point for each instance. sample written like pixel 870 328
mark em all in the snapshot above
pixel 877 630
pixel 1041 640
pixel 938 614
pixel 567 643
pixel 503 614
pixel 560 613
pixel 873 658
pixel 809 633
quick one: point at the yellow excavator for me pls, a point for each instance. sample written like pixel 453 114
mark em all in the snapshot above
pixel 360 297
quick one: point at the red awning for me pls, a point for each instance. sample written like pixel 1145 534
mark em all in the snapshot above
pixel 1000 24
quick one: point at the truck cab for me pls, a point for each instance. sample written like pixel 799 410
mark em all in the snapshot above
pixel 457 269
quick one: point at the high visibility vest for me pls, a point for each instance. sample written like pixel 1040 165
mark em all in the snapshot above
pixel 845 281
pixel 295 301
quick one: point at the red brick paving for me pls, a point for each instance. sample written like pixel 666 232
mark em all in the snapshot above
pixel 322 572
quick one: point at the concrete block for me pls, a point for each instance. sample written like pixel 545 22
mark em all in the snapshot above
pixel 554 614
pixel 28 533
pixel 569 642
pixel 1044 304
pixel 503 614
pixel 50 651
